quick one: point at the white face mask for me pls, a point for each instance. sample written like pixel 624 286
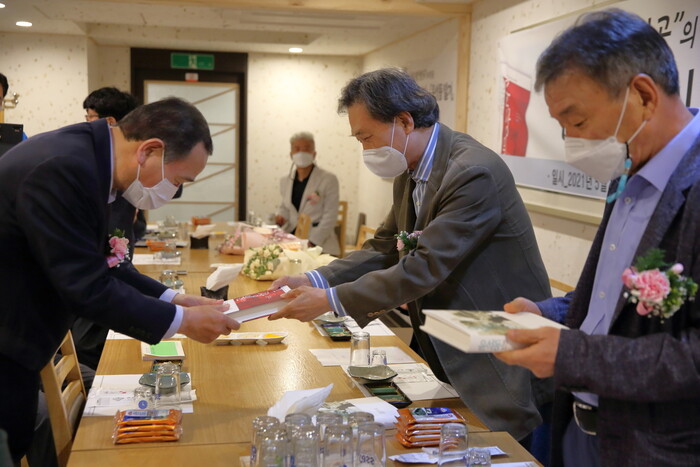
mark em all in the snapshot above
pixel 602 159
pixel 386 162
pixel 302 159
pixel 150 197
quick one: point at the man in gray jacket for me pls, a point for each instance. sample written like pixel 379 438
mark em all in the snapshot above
pixel 475 246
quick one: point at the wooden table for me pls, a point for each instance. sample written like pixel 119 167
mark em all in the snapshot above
pixel 191 260
pixel 235 384
pixel 230 454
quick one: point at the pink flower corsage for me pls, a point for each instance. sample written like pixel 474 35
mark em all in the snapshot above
pixel 657 292
pixel 314 198
pixel 407 242
pixel 117 249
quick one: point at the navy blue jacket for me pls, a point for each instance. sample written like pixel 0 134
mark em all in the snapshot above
pixel 54 191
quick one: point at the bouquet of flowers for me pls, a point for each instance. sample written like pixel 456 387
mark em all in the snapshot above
pixel 262 262
pixel 407 242
pixel 246 237
pixel 117 249
pixel 657 292
pixel 273 261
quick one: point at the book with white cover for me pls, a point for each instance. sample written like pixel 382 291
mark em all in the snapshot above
pixel 256 305
pixel 481 331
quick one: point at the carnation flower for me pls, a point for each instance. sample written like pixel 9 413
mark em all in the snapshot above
pixel 657 293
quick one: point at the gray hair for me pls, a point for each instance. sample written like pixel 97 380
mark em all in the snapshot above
pixel 388 92
pixel 304 135
pixel 610 47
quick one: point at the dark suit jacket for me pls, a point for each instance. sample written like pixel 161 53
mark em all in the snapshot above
pixel 53 205
pixel 646 373
pixel 477 252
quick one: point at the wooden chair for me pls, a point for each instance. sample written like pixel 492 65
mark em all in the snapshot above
pixel 361 220
pixel 363 234
pixel 341 225
pixel 303 226
pixel 65 397
pixel 559 288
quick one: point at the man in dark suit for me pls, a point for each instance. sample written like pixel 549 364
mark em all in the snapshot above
pixel 54 192
pixel 111 104
pixel 630 381
pixel 477 249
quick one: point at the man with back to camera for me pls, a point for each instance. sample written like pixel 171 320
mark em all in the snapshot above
pixel 477 249
pixel 628 380
pixel 54 238
pixel 309 190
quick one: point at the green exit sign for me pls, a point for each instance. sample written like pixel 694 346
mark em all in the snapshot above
pixel 192 61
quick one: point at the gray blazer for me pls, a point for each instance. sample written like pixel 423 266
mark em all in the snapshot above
pixel 646 373
pixel 477 251
pixel 322 210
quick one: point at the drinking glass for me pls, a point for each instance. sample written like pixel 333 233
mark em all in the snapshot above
pixel 304 447
pixel 337 446
pixel 167 390
pixel 479 456
pixel 359 349
pixel 357 418
pixel 378 357
pixel 143 398
pixel 260 425
pixel 325 419
pixel 453 445
pixel 274 448
pixel 294 420
pixel 370 449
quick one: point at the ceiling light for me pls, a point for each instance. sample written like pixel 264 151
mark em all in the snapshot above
pixel 2 5
pixel 24 24
pixel 295 50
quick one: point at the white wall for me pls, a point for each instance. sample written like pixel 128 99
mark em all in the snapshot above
pixel 50 74
pixel 113 68
pixel 435 47
pixel 292 93
pixel 564 244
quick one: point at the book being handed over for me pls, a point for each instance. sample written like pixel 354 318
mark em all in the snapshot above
pixel 256 305
pixel 481 331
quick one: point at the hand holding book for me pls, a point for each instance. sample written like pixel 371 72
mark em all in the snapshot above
pixel 539 353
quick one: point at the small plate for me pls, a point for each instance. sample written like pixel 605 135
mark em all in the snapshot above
pixel 330 317
pixel 372 373
pixel 149 379
pixel 252 337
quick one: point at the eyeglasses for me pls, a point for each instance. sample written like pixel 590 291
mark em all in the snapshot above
pixel 91 117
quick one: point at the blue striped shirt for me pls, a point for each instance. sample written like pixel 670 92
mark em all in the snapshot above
pixel 420 175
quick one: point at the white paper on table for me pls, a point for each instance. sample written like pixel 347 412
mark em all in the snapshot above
pixel 223 276
pixel 110 393
pixel 146 259
pixel 419 383
pixel 416 380
pixel 303 401
pixel 340 357
pixel 430 456
pixel 383 412
pixel 374 328
pixel 493 450
pixel 118 335
pixel 203 231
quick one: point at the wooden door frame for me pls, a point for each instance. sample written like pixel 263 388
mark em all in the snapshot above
pixel 154 65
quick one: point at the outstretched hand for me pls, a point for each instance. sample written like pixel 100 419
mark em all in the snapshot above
pixel 305 304
pixel 205 323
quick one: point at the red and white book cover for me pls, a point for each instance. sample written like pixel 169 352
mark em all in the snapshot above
pixel 257 305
